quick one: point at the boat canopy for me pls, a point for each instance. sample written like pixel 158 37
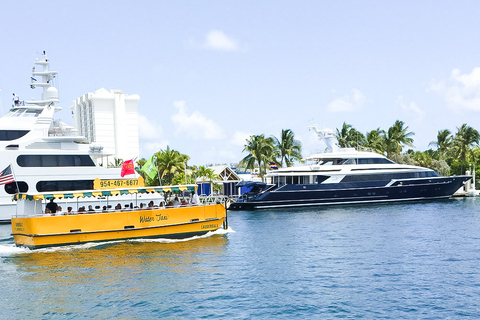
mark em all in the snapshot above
pixel 249 184
pixel 102 193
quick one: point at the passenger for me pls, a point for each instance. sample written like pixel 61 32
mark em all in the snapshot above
pixel 162 205
pixel 52 206
pixel 81 210
pixel 59 211
pixel 170 204
pixel 48 212
pixel 150 205
pixel 176 202
pixel 118 207
pixel 69 210
pixel 141 206
pixel 90 209
pixel 16 100
pixel 104 209
pixel 195 200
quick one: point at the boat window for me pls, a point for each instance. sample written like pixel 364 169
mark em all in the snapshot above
pixel 11 188
pixel 325 162
pixel 348 161
pixel 8 135
pixel 389 176
pixel 69 160
pixel 374 161
pixel 61 185
pixel 320 179
pixel 295 180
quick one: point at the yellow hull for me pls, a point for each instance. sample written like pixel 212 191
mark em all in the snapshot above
pixel 184 222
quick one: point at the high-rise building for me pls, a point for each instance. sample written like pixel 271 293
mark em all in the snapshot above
pixel 109 119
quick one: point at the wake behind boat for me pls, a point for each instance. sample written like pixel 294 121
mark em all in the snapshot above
pixel 347 176
pixel 34 227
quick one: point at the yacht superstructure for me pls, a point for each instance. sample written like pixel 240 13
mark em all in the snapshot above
pixel 347 176
pixel 45 155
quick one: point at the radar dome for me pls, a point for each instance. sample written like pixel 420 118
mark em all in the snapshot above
pixel 51 94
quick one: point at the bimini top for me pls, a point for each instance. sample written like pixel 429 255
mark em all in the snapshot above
pixel 102 193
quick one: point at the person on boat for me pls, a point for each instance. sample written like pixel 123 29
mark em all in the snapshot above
pixel 195 200
pixel 59 211
pixel 16 100
pixel 118 206
pixel 150 205
pixel 48 212
pixel 81 210
pixel 176 202
pixel 104 209
pixel 52 206
pixel 90 209
pixel 69 210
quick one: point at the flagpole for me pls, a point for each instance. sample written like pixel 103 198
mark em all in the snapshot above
pixel 16 182
pixel 158 172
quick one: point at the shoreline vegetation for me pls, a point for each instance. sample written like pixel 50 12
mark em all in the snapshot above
pixel 450 154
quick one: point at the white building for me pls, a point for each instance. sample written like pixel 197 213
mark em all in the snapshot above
pixel 109 119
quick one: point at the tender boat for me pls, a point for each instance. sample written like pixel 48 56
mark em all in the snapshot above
pixel 43 153
pixel 346 176
pixel 33 228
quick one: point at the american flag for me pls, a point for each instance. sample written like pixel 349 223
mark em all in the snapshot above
pixel 6 176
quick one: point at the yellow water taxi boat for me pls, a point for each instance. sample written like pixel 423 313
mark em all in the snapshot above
pixel 32 228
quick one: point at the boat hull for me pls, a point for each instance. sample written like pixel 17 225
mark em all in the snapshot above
pixel 172 223
pixel 337 194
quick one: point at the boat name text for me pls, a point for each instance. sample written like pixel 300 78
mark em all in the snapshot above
pixel 158 217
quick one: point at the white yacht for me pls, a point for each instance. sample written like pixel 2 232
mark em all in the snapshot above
pixel 45 155
pixel 346 176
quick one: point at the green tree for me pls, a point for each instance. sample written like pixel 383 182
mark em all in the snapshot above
pixel 117 163
pixel 443 143
pixel 349 137
pixel 396 138
pixel 375 140
pixel 288 148
pixel 465 138
pixel 169 163
pixel 261 151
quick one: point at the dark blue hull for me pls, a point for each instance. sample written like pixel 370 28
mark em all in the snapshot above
pixel 349 193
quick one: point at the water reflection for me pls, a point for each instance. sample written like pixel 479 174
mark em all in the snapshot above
pixel 77 278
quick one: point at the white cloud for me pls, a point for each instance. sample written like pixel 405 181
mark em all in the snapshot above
pixel 194 125
pixel 351 102
pixel 239 138
pixel 461 91
pixel 410 108
pixel 147 129
pixel 217 40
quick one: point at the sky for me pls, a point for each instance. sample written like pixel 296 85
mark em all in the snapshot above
pixel 212 73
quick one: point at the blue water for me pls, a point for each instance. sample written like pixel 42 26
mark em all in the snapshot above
pixel 396 261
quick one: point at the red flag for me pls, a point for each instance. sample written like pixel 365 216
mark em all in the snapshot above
pixel 127 168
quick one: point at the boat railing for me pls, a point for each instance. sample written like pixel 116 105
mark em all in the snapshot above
pixel 213 199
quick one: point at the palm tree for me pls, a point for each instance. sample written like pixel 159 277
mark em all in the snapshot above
pixel 169 162
pixel 376 140
pixel 117 163
pixel 206 175
pixel 262 151
pixel 396 138
pixel 465 138
pixel 288 148
pixel 349 137
pixel 444 141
